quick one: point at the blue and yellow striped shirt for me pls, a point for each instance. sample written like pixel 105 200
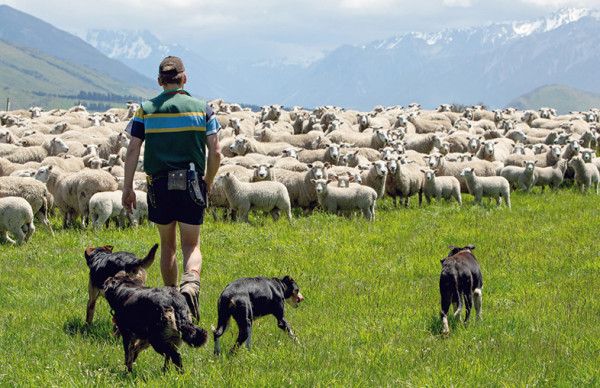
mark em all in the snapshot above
pixel 174 126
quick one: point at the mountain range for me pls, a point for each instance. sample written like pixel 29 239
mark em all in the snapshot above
pixel 492 64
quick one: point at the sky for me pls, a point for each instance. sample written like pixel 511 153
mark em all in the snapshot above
pixel 296 30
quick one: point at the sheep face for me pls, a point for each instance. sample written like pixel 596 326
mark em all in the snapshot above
pixel 320 185
pixel 43 174
pixel 317 169
pixel 262 171
pixel 467 173
pixel 529 165
pixel 380 167
pixel 587 155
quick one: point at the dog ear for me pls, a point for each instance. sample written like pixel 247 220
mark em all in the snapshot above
pixel 108 248
pixel 287 279
pixel 89 250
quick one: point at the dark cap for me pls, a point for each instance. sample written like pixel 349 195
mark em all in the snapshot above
pixel 171 65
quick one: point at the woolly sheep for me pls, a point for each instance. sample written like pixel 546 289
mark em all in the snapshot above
pixel 375 177
pixel 301 140
pixel 300 189
pixel 16 217
pixel 492 186
pixel 376 140
pixel 105 206
pixel 112 144
pixel 404 183
pixel 586 174
pixel 217 197
pixel 33 191
pixel 446 187
pixel 548 158
pixel 347 199
pixel 524 177
pixel 422 143
pixel 37 153
pixel 331 154
pixel 72 191
pixel 551 175
pixel 268 196
pixel 243 145
pixel 437 161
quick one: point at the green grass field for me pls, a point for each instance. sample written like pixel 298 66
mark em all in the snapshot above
pixel 371 310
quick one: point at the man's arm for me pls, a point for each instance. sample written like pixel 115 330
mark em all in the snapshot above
pixel 213 159
pixel 131 160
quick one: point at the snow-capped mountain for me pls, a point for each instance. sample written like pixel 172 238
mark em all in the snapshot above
pixel 490 64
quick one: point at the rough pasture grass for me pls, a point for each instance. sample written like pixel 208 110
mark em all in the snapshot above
pixel 371 313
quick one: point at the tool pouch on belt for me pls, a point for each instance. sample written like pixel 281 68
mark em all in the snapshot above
pixel 196 187
pixel 177 180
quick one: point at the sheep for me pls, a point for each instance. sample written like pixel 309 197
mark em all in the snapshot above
pixel 375 177
pixel 241 126
pixel 243 145
pixel 524 177
pixel 298 184
pixel 217 197
pixel 422 143
pixel 548 158
pixel 353 159
pixel 586 174
pixel 112 144
pixel 331 154
pixel 7 137
pixel 378 139
pixel 37 153
pixel 423 126
pixel 268 196
pixel 347 199
pixel 366 120
pixel 404 183
pixel 69 165
pixel 439 162
pixel 493 150
pixel 34 192
pixel 16 217
pixel 301 140
pixel 550 175
pixel 72 191
pixel 491 186
pixel 446 187
pixel 105 206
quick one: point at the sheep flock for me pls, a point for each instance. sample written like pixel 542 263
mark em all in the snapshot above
pixel 342 161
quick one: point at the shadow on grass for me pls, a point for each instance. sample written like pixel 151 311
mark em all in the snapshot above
pixel 100 330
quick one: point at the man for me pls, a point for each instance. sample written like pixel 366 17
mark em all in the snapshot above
pixel 177 130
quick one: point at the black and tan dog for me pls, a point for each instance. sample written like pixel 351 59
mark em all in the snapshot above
pixel 104 263
pixel 151 316
pixel 250 298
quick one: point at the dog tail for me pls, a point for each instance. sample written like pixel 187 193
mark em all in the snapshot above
pixel 149 259
pixel 193 335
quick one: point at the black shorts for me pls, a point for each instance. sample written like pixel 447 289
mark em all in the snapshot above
pixel 166 206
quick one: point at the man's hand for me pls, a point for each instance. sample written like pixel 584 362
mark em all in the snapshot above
pixel 128 200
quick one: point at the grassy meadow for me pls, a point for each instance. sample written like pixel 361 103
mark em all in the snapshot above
pixel 371 312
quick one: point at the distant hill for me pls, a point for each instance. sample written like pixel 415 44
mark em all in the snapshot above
pixel 30 77
pixel 563 98
pixel 24 29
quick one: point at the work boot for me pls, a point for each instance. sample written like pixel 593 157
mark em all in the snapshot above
pixel 190 289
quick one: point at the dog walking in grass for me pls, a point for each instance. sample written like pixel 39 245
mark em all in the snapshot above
pixel 460 284
pixel 104 263
pixel 151 316
pixel 250 298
